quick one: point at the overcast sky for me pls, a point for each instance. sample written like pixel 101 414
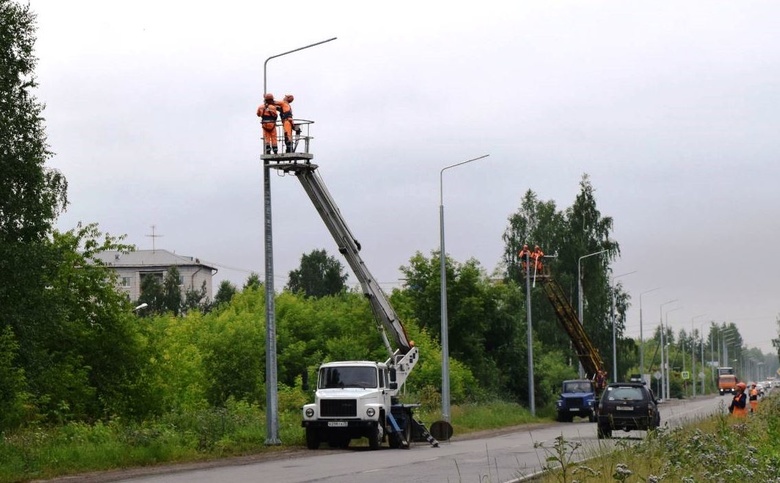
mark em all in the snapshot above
pixel 672 109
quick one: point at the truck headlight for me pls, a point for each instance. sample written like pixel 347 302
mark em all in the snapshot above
pixel 309 412
pixel 370 412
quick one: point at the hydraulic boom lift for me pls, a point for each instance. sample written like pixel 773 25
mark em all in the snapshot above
pixel 357 399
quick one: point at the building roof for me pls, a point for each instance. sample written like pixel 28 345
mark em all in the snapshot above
pixel 148 259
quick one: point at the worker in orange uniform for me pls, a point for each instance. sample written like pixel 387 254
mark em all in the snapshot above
pixel 268 114
pixel 287 120
pixel 538 257
pixel 525 257
pixel 753 397
pixel 738 407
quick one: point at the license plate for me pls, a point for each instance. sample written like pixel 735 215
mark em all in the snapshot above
pixel 337 424
pixel 625 408
pixel 576 410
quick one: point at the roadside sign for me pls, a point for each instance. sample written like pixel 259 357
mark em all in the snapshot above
pixel 685 375
pixel 657 374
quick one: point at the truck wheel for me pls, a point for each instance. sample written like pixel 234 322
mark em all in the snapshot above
pixel 395 440
pixel 312 438
pixel 376 434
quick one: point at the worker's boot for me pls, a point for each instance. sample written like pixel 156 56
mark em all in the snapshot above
pixel 276 151
pixel 267 149
pixel 289 147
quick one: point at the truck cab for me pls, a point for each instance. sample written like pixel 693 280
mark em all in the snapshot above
pixel 352 401
pixel 727 383
pixel 577 398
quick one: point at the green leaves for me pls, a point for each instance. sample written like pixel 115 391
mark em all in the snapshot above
pixel 318 275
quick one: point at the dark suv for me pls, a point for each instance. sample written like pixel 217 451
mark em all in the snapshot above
pixel 627 406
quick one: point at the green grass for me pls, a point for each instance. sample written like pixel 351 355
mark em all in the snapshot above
pixel 717 448
pixel 239 429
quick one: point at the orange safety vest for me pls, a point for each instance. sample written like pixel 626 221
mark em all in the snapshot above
pixel 739 406
pixel 538 257
pixel 267 113
pixel 286 109
pixel 753 400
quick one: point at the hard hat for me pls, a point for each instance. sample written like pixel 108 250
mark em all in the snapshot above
pixel 269 97
pixel 289 97
pixel 741 385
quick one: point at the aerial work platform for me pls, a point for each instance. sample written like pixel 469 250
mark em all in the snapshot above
pixel 301 140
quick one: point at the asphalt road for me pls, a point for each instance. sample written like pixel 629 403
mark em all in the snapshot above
pixel 496 456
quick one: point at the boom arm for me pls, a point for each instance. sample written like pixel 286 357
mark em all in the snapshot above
pixel 387 319
pixel 586 352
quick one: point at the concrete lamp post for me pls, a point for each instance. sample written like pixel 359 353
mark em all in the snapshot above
pixel 614 330
pixel 641 335
pixel 663 337
pixel 445 348
pixel 693 353
pixel 579 295
pixel 272 413
pixel 668 369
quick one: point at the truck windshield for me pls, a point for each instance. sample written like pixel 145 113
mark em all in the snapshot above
pixel 577 387
pixel 341 377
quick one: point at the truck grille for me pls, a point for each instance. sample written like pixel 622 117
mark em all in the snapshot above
pixel 338 408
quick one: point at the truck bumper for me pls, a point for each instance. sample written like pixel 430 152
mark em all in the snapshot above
pixel 334 425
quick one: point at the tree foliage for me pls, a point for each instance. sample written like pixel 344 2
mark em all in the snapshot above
pixel 483 327
pixel 567 236
pixel 225 294
pixel 31 195
pixel 318 275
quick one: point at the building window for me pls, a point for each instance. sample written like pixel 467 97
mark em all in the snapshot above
pixel 157 275
pixel 125 282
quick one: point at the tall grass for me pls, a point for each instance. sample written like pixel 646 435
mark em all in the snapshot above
pixel 238 429
pixel 717 448
pixel 77 447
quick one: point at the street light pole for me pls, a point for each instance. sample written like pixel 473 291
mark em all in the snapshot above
pixel 701 331
pixel 668 368
pixel 529 338
pixel 579 296
pixel 445 348
pixel 663 348
pixel 641 336
pixel 271 394
pixel 614 331
pixel 693 353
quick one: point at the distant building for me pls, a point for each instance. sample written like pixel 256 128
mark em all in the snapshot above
pixel 133 267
